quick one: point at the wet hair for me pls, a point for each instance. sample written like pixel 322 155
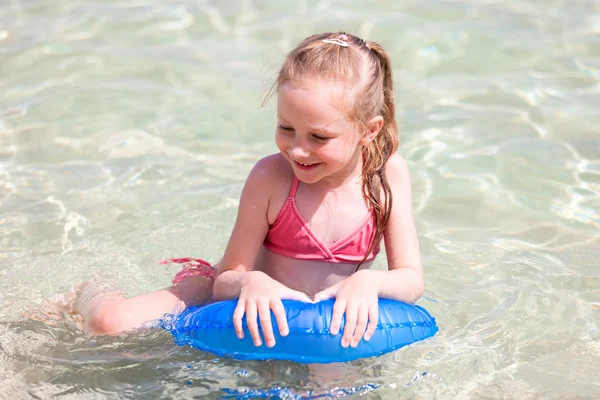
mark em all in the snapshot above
pixel 369 92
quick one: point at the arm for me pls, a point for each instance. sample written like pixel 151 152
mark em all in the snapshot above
pixel 251 227
pixel 404 279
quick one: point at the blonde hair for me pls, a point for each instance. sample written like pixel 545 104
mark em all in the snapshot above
pixel 344 57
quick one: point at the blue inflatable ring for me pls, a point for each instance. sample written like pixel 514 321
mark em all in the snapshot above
pixel 210 328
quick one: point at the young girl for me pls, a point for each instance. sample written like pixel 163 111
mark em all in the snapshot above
pixel 311 217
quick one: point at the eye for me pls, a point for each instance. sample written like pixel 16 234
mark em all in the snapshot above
pixel 321 138
pixel 285 128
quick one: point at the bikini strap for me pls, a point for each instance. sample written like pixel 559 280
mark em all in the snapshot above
pixel 294 187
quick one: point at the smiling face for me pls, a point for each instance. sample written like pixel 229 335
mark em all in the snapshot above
pixel 313 135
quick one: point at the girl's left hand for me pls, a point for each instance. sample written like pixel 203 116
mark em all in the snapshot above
pixel 356 296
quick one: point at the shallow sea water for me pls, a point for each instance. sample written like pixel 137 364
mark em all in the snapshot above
pixel 127 129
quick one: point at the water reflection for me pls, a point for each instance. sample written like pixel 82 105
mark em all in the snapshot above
pixel 127 130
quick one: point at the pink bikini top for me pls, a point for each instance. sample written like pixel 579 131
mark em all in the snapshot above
pixel 291 236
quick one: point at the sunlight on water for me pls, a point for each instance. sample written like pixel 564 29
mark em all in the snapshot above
pixel 127 129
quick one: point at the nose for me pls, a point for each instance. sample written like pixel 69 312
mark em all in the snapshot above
pixel 299 150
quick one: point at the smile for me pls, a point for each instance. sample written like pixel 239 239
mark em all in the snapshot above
pixel 305 166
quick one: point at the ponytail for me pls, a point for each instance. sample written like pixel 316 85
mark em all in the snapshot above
pixel 377 152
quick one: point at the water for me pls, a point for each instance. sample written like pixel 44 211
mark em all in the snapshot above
pixel 127 129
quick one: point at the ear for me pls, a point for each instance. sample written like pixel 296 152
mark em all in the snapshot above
pixel 373 128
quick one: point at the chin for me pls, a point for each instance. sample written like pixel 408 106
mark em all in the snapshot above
pixel 307 179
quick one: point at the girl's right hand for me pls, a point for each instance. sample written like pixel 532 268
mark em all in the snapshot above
pixel 258 296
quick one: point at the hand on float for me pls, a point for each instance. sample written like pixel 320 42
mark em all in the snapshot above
pixel 259 295
pixel 357 298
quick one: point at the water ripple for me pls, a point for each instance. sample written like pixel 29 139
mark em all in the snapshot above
pixel 127 130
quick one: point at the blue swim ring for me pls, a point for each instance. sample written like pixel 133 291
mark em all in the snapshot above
pixel 210 328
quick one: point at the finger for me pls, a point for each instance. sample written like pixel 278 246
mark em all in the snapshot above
pixel 373 321
pixel 264 315
pixel 238 314
pixel 326 294
pixel 361 324
pixel 336 316
pixel 295 295
pixel 351 318
pixel 280 317
pixel 252 323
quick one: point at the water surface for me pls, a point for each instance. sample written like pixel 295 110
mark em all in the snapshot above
pixel 127 129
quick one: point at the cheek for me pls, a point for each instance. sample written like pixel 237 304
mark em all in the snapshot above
pixel 345 149
pixel 337 152
pixel 281 141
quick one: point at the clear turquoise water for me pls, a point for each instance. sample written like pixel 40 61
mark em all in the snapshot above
pixel 127 129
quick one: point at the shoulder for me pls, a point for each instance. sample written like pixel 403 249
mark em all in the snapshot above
pixel 270 180
pixel 396 171
pixel 271 170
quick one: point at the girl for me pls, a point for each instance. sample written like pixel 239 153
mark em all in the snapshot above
pixel 311 217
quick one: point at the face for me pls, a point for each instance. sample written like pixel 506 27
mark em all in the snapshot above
pixel 313 135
